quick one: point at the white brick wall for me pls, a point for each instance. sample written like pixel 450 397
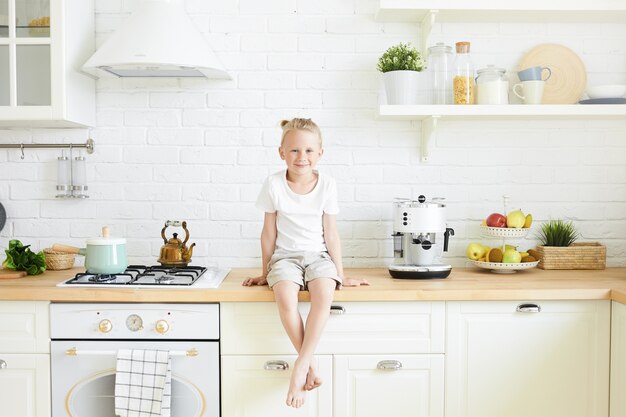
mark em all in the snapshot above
pixel 198 150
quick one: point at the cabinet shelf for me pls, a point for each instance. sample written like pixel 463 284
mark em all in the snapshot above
pixel 429 115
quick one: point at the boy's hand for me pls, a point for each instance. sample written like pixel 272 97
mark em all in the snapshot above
pixel 354 282
pixel 249 282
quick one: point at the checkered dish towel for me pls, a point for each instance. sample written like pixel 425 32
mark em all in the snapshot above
pixel 143 383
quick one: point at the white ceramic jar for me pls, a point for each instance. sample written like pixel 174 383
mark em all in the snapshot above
pixel 491 86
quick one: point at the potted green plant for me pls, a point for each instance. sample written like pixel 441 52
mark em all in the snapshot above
pixel 401 65
pixel 559 249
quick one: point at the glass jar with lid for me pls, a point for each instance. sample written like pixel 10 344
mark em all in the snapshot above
pixel 491 86
pixel 463 82
pixel 440 67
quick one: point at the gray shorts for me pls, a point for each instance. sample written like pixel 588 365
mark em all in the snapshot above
pixel 301 268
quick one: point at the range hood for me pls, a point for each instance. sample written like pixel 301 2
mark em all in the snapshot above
pixel 157 40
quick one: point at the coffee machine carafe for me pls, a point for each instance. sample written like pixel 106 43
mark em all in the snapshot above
pixel 420 237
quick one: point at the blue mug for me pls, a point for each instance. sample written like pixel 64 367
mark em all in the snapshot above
pixel 534 74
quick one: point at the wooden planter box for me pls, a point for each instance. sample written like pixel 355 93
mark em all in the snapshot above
pixel 583 255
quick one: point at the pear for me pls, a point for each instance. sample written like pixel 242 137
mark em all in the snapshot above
pixel 528 221
pixel 475 251
pixel 511 256
pixel 515 219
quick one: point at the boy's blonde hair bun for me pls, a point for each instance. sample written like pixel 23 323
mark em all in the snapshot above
pixel 299 124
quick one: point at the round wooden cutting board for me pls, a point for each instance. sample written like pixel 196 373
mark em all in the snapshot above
pixel 569 76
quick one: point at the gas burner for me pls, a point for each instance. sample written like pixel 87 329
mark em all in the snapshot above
pixel 164 279
pixel 102 278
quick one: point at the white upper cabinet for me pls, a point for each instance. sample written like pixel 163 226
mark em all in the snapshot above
pixel 43 44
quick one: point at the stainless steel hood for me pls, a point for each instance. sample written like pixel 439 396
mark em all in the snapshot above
pixel 157 40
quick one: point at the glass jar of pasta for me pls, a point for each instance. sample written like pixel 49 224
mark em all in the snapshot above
pixel 463 82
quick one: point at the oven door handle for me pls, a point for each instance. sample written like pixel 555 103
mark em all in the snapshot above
pixel 193 352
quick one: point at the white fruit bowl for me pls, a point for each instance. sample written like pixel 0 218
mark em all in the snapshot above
pixel 502 268
pixel 607 91
pixel 504 231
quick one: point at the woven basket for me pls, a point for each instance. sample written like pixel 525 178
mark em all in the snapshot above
pixel 57 261
pixel 584 255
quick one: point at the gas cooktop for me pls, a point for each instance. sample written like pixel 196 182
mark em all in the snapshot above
pixel 155 276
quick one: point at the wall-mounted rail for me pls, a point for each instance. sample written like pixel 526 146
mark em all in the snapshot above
pixel 89 146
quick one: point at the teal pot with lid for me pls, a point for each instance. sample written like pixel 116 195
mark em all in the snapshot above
pixel 103 255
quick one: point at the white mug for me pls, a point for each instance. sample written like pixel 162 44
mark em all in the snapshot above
pixel 532 91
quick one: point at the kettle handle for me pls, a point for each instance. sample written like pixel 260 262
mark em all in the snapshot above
pixel 186 233
pixel 163 232
pixel 171 223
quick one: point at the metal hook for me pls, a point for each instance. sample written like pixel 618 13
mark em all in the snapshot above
pixel 22 149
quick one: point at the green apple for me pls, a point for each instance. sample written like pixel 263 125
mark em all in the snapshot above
pixel 511 256
pixel 515 219
pixel 475 251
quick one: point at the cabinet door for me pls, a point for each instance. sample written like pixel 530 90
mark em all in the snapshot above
pixel 618 360
pixel 389 385
pixel 256 386
pixel 518 359
pixel 24 385
pixel 24 327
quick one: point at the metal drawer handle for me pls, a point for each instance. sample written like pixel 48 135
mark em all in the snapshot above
pixel 276 366
pixel 3 364
pixel 392 365
pixel 528 308
pixel 337 310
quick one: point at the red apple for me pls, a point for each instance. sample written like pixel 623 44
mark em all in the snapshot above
pixel 496 220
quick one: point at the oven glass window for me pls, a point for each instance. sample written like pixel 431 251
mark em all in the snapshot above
pixel 94 397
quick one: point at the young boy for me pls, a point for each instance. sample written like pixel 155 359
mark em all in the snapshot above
pixel 300 246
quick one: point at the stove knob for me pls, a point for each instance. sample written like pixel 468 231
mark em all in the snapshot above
pixel 105 326
pixel 162 326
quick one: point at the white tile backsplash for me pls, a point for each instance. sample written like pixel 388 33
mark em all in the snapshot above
pixel 198 150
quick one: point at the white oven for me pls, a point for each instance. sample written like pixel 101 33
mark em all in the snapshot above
pixel 86 338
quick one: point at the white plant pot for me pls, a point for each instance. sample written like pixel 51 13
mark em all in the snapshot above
pixel 402 87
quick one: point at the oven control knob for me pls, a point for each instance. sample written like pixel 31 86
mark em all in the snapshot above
pixel 162 326
pixel 105 326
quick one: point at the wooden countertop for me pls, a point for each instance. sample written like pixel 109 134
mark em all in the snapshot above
pixel 462 284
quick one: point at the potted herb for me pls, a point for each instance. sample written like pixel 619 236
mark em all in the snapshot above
pixel 401 66
pixel 559 249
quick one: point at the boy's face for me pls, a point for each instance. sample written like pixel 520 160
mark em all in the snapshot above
pixel 301 151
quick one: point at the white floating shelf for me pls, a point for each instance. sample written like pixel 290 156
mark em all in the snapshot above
pixel 429 12
pixel 513 111
pixel 503 11
pixel 430 115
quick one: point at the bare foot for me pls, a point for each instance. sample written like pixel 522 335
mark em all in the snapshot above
pixel 296 393
pixel 312 380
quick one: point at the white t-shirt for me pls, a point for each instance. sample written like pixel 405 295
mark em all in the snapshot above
pixel 298 217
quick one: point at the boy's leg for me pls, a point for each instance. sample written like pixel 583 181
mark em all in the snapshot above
pixel 286 295
pixel 321 291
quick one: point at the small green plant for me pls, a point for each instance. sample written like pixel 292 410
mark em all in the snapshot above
pixel 401 57
pixel 557 233
pixel 20 258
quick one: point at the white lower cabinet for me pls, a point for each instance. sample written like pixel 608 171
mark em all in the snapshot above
pixel 362 345
pixel 514 359
pixel 618 360
pixel 24 385
pixel 388 385
pixel 256 386
pixel 24 359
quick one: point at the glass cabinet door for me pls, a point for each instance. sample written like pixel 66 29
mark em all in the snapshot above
pixel 4 18
pixel 4 75
pixel 32 18
pixel 33 75
pixel 25 48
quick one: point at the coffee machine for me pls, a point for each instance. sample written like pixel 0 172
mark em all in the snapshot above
pixel 420 237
